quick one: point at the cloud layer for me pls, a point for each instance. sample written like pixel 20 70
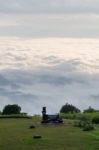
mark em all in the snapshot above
pixel 54 18
pixel 39 72
pixel 46 6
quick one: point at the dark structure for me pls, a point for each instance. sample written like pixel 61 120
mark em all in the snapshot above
pixel 50 118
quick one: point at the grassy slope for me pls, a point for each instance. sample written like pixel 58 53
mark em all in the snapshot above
pixel 15 135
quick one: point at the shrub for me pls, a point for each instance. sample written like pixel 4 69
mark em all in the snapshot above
pixel 78 124
pixel 88 127
pixel 68 115
pixel 95 120
pixel 15 116
pixel 84 118
pixel 89 110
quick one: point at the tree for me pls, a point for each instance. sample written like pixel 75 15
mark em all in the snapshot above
pixel 90 110
pixel 68 108
pixel 11 109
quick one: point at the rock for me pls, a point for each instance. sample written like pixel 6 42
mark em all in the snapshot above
pixel 32 127
pixel 37 136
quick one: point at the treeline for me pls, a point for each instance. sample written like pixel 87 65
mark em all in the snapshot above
pixel 65 109
pixel 13 111
pixel 69 108
pixel 69 111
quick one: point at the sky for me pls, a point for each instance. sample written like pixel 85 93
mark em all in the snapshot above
pixel 49 18
pixel 49 54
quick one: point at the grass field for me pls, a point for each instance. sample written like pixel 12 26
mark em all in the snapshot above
pixel 16 135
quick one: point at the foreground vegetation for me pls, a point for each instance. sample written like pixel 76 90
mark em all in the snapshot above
pixel 77 116
pixel 15 116
pixel 16 135
pixel 80 130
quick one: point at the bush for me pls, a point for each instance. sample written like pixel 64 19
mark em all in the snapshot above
pixel 95 120
pixel 89 110
pixel 15 116
pixel 68 115
pixel 78 124
pixel 88 127
pixel 84 118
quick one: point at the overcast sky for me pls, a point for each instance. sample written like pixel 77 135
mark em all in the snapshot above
pixel 49 18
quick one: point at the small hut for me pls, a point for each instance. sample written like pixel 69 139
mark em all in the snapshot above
pixel 46 118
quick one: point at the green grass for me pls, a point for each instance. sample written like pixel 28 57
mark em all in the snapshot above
pixel 78 115
pixel 16 135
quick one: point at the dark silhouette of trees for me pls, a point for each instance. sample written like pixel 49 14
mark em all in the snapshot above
pixel 68 108
pixel 11 109
pixel 90 110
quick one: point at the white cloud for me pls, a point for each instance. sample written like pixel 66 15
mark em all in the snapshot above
pixel 41 72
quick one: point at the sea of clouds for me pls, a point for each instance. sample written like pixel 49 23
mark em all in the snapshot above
pixel 49 72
